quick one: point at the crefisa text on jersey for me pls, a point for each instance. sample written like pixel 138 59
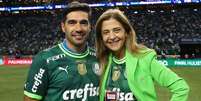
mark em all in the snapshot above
pixel 37 79
pixel 88 90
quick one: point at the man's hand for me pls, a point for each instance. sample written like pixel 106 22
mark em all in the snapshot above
pixel 26 98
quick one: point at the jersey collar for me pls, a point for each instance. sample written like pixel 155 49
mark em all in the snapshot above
pixel 63 46
pixel 119 61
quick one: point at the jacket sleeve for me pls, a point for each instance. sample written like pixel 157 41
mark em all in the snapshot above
pixel 167 78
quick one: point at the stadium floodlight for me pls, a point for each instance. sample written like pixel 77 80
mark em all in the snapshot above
pixel 2 8
pixel 98 5
pixel 60 6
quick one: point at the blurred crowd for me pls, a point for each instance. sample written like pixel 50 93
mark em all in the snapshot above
pixel 160 30
pixel 27 35
pixel 39 2
pixel 164 30
pixel 59 1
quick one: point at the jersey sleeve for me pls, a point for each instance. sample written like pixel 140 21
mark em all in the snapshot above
pixel 37 79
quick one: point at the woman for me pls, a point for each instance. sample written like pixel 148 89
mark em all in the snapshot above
pixel 129 69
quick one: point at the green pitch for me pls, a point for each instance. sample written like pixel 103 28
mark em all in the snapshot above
pixel 192 76
pixel 12 80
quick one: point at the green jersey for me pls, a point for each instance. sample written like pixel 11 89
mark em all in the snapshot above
pixel 58 74
pixel 117 81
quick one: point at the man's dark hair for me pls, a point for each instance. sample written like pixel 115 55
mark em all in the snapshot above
pixel 76 6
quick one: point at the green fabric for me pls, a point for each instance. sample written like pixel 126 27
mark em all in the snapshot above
pixel 102 88
pixel 117 81
pixel 142 70
pixel 34 96
pixel 58 76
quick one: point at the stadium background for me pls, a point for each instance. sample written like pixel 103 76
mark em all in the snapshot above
pixel 171 27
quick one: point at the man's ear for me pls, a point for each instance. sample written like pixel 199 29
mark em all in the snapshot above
pixel 62 26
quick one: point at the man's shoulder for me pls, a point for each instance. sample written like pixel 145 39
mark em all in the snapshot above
pixel 51 49
pixel 49 52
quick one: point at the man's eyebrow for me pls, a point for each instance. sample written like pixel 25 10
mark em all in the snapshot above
pixel 84 20
pixel 71 21
pixel 78 20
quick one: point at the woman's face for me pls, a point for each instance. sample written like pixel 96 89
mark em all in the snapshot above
pixel 113 35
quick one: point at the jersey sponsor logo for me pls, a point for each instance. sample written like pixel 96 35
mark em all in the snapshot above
pixel 37 79
pixel 110 96
pixel 56 57
pixel 64 69
pixel 122 96
pixel 81 93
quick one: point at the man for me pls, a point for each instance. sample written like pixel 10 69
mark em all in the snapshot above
pixel 68 71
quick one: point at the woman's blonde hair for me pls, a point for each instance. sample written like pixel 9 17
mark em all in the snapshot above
pixel 130 44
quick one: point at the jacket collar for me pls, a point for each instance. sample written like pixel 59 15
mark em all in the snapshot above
pixel 131 64
pixel 104 80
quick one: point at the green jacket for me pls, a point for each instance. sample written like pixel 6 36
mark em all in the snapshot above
pixel 142 70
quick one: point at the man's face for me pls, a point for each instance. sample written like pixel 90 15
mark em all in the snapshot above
pixel 76 28
pixel 113 35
